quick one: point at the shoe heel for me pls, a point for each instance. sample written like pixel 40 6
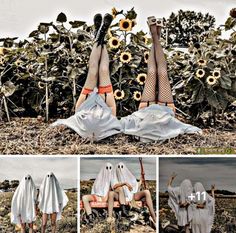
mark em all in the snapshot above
pixel 159 22
pixel 151 20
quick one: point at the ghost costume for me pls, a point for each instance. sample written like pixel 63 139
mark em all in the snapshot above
pixel 155 123
pixel 122 174
pixel 203 218
pixel 102 184
pixel 93 119
pixel 52 198
pixel 179 195
pixel 24 201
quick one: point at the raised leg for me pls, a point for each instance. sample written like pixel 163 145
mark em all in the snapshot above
pixel 165 96
pixel 149 92
pixel 105 86
pixel 92 77
pixel 44 223
pixel 147 195
pixel 53 222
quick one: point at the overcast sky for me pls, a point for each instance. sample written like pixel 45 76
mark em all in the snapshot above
pixel 218 171
pixel 20 17
pixel 65 169
pixel 91 167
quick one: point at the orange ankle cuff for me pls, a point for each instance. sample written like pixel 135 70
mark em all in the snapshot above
pixel 105 89
pixel 86 91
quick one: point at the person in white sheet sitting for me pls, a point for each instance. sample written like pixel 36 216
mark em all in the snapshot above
pixel 125 189
pixel 204 209
pixel 100 189
pixel 23 205
pixel 180 202
pixel 52 199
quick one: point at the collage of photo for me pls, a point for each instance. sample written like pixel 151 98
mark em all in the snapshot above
pixel 117 116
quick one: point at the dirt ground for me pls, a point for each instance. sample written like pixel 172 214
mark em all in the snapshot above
pixel 32 136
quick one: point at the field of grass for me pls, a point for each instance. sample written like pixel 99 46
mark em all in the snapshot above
pixel 32 136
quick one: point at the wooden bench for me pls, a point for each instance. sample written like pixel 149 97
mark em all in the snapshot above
pixel 104 205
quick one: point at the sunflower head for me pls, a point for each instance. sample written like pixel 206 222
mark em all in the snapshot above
pixel 119 94
pixel 216 73
pixel 200 73
pixel 125 57
pixel 141 78
pixel 114 43
pixel 125 24
pixel 211 80
pixel 202 62
pixel 146 56
pixel 233 13
pixel 137 95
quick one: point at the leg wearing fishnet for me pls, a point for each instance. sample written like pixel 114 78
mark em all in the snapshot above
pixel 92 77
pixel 149 92
pixel 105 86
pixel 164 88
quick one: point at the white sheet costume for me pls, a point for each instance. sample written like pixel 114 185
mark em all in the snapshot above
pixel 93 119
pixel 155 123
pixel 24 201
pixel 52 198
pixel 123 174
pixel 102 184
pixel 203 218
pixel 179 195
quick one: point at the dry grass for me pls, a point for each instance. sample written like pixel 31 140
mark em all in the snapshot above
pixel 30 136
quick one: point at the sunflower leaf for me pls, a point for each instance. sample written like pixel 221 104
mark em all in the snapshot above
pixel 225 82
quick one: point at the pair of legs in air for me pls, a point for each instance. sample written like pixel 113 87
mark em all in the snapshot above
pixel 98 73
pixel 53 218
pixel 118 195
pixel 157 72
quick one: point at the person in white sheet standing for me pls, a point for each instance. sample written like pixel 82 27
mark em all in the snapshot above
pixel 100 189
pixel 180 203
pixel 204 209
pixel 23 205
pixel 52 199
pixel 125 189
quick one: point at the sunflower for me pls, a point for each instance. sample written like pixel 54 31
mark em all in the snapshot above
pixel 125 25
pixel 137 95
pixel 141 78
pixel 114 12
pixel 145 39
pixel 233 13
pixel 216 73
pixel 146 56
pixel 119 94
pixel 41 85
pixel 211 80
pixel 200 73
pixel 125 57
pixel 114 42
pixel 202 62
pixel 134 22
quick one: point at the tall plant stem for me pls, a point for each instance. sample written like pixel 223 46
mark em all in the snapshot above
pixel 6 108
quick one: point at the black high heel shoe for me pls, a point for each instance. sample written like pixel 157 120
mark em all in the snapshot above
pixel 103 29
pixel 97 23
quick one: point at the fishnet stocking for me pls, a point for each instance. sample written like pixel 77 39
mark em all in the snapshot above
pixel 92 77
pixel 164 88
pixel 104 76
pixel 149 92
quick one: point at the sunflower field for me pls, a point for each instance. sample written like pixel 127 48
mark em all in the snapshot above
pixel 43 75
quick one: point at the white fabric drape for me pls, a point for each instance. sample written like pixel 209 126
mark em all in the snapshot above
pixel 102 184
pixel 52 198
pixel 203 218
pixel 23 202
pixel 123 174
pixel 178 195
